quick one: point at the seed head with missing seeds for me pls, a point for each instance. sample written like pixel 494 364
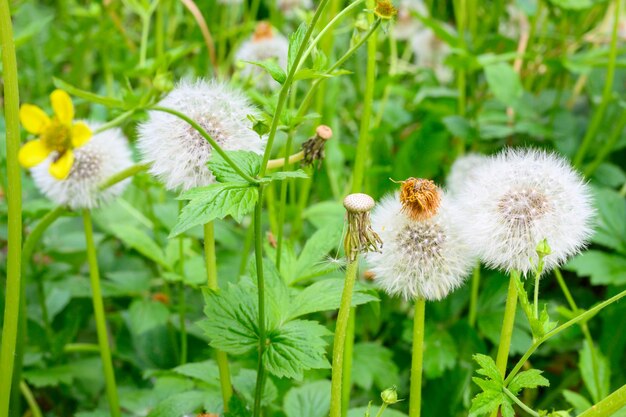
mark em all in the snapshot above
pixel 360 237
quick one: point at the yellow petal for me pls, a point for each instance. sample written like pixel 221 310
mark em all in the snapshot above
pixel 32 153
pixel 62 106
pixel 81 133
pixel 60 168
pixel 33 118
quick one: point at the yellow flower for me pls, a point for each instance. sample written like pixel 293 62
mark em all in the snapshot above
pixel 56 134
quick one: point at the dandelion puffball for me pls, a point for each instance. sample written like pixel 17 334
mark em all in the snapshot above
pixel 463 169
pixel 106 154
pixel 419 258
pixel 518 198
pixel 264 44
pixel 177 151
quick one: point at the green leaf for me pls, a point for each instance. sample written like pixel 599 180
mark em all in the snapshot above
pixel 89 96
pixel 316 248
pixel 247 161
pixel 528 379
pixel 295 43
pixel 179 404
pixel 587 365
pixel 310 400
pixel 237 408
pixel 440 352
pixel 507 409
pixel 610 227
pixel 603 268
pixel 579 402
pixel 139 240
pixel 245 383
pixel 62 374
pixel 486 402
pixel 373 365
pixel 326 295
pixel 504 83
pixel 488 367
pixel 145 315
pixel 215 201
pixel 206 371
pixel 273 69
pixel 296 347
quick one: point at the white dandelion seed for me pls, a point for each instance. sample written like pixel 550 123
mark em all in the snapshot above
pixel 419 258
pixel 265 43
pixel 406 24
pixel 463 169
pixel 290 7
pixel 431 52
pixel 177 151
pixel 106 154
pixel 518 198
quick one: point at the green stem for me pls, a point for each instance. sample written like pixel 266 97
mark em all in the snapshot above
pixel 507 324
pixel 115 122
pixel 81 348
pixel 598 116
pixel 284 91
pixel 101 327
pixel 182 304
pixel 210 260
pixel 122 175
pixel 520 403
pixel 346 383
pixel 340 339
pixel 14 202
pixel 30 399
pixel 145 32
pixel 211 141
pixel 381 410
pixel 536 294
pixel 587 315
pixel 473 307
pixel 258 254
pixel 363 144
pixel 608 406
pixel 283 202
pixel 159 24
pixel 415 396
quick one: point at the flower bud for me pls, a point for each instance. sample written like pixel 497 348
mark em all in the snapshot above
pixel 389 396
pixel 543 249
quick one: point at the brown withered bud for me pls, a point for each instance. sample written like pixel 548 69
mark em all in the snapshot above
pixel 161 298
pixel 420 198
pixel 313 148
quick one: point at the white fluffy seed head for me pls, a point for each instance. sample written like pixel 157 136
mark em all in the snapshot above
pixel 419 259
pixel 516 199
pixel 406 25
pixel 265 43
pixel 431 52
pixel 463 169
pixel 106 154
pixel 177 151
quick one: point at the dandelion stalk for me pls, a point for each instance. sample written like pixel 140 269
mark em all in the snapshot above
pixel 415 396
pixel 608 406
pixel 30 400
pixel 210 260
pixel 346 386
pixel 101 327
pixel 258 253
pixel 474 296
pixel 508 323
pixel 182 304
pixel 14 202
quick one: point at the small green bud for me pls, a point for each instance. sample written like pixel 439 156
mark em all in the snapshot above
pixel 543 249
pixel 163 82
pixel 389 396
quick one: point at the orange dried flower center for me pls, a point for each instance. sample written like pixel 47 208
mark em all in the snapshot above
pixel 420 198
pixel 263 31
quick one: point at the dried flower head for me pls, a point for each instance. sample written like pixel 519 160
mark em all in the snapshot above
pixel 421 258
pixel 313 148
pixel 420 198
pixel 106 154
pixel 266 43
pixel 431 52
pixel 177 151
pixel 463 169
pixel 360 237
pixel 517 199
pixel 385 10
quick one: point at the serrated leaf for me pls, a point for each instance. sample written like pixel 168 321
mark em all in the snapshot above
pixel 310 400
pixel 179 404
pixel 487 384
pixel 488 367
pixel 373 365
pixel 440 352
pixel 528 379
pixel 486 402
pixel 273 69
pixel 295 43
pixel 215 201
pixel 296 347
pixel 507 409
pixel 247 161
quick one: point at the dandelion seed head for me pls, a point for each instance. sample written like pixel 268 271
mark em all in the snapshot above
pixel 177 151
pixel 358 203
pixel 266 43
pixel 420 258
pixel 106 154
pixel 462 170
pixel 420 198
pixel 518 198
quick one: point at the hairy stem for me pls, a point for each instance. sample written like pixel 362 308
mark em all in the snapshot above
pixel 608 406
pixel 417 360
pixel 258 253
pixel 101 327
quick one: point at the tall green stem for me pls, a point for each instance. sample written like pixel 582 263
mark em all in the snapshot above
pixel 473 307
pixel 415 396
pixel 507 324
pixel 598 115
pixel 101 327
pixel 340 339
pixel 14 202
pixel 346 383
pixel 182 303
pixel 362 149
pixel 258 253
pixel 30 399
pixel 608 406
pixel 145 32
pixel 210 260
